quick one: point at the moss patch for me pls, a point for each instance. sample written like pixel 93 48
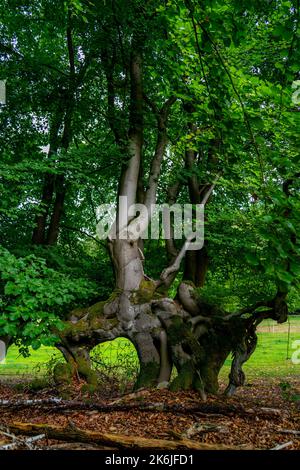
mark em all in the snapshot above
pixel 184 379
pixel 145 292
pixel 148 375
pixel 86 372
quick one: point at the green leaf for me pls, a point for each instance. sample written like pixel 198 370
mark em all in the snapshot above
pixel 285 276
pixel 252 259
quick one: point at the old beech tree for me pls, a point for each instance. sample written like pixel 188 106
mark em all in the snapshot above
pixel 186 331
pixel 184 103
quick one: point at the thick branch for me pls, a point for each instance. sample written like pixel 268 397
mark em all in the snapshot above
pixel 70 47
pixel 111 97
pixel 168 274
pixel 150 197
pixel 130 173
pixel 159 152
pixel 172 193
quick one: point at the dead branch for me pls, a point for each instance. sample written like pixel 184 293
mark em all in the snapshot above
pixel 283 446
pixel 288 431
pixel 198 428
pixel 74 434
pixel 169 273
pixel 58 405
pixel 18 442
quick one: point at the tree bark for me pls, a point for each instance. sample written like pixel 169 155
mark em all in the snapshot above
pixel 57 211
pixel 6 340
pixel 54 188
pixel 38 236
pixel 196 266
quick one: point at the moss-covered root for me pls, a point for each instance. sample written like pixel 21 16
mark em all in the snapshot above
pixel 188 378
pixel 241 354
pixel 210 376
pixel 184 379
pixel 84 369
pixel 78 365
pixel 149 359
pixel 216 352
pixel 63 374
pixel 187 355
pixel 148 375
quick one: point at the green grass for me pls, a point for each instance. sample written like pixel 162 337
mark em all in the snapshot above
pixel 16 364
pixel 273 353
pixel 269 359
pixel 113 352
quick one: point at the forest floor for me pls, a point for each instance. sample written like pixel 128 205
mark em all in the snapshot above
pixel 261 415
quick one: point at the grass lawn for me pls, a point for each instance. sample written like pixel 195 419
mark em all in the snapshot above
pixel 271 358
pixel 273 353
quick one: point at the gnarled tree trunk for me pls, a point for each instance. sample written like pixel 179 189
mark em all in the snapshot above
pixel 185 332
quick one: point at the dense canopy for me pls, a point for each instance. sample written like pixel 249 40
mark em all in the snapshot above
pixel 169 102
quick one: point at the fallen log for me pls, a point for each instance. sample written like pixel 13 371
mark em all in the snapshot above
pixel 19 443
pixel 72 433
pixel 30 403
pixel 270 411
pixel 58 405
pixel 77 446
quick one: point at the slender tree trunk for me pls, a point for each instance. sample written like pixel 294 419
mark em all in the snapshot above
pixel 5 342
pixel 54 190
pixel 196 266
pixel 57 211
pixel 39 232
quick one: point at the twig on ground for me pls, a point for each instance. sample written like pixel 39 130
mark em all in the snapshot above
pixel 283 446
pixel 18 442
pixel 289 431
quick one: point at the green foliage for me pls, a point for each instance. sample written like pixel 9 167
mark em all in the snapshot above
pixel 234 70
pixel 34 297
pixel 289 392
